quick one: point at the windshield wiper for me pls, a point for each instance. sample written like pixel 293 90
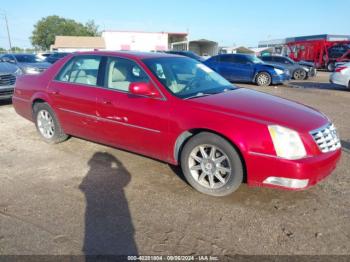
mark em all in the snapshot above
pixel 200 94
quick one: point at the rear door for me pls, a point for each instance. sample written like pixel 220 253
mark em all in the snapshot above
pixel 73 95
pixel 136 123
pixel 234 68
pixel 228 68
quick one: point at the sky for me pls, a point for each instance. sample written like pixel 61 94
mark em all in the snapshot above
pixel 228 22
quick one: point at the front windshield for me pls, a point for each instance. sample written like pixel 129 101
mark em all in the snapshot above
pixel 186 77
pixel 27 58
pixel 193 55
pixel 290 60
pixel 255 60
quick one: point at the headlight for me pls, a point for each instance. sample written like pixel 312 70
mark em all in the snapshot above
pixel 31 70
pixel 306 68
pixel 287 142
pixel 279 71
pixel 18 72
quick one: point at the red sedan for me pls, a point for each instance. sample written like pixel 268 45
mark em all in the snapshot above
pixel 178 110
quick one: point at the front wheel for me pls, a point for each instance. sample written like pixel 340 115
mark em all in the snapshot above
pixel 47 124
pixel 299 74
pixel 211 165
pixel 331 67
pixel 263 79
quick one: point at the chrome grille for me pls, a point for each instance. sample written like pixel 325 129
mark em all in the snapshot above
pixel 7 80
pixel 326 138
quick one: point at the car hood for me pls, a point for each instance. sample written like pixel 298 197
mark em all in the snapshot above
pixel 277 65
pixel 272 66
pixel 305 63
pixel 7 68
pixel 261 107
pixel 43 65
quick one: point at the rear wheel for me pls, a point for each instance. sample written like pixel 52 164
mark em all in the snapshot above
pixel 299 74
pixel 211 165
pixel 263 79
pixel 47 124
pixel 331 67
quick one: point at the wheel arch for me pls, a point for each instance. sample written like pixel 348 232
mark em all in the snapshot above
pixel 259 71
pixel 43 98
pixel 184 137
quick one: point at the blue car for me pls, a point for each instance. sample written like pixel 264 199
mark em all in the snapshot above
pixel 247 68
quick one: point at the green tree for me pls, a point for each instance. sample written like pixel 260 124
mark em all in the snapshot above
pixel 48 27
pixel 16 49
pixel 92 28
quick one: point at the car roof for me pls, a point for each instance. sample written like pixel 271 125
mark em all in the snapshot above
pixel 274 56
pixel 129 54
pixel 18 54
pixel 235 55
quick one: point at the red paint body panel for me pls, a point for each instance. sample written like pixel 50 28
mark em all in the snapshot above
pixel 156 126
pixel 313 168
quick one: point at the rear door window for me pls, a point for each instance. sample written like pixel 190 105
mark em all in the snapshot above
pixel 81 70
pixel 237 59
pixel 266 58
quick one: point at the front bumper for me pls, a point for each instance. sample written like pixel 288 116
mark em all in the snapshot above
pixel 6 92
pixel 312 72
pixel 280 79
pixel 294 174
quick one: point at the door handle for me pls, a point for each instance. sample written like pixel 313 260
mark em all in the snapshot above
pixel 106 102
pixel 55 92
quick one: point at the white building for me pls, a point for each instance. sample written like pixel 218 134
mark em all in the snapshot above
pixel 141 41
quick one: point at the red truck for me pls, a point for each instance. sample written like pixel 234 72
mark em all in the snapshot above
pixel 323 50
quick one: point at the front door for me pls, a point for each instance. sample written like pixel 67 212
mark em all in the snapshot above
pixel 136 123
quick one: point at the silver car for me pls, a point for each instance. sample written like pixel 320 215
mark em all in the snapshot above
pixel 8 74
pixel 341 75
pixel 29 63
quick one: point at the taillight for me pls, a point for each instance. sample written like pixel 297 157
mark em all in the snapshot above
pixel 340 68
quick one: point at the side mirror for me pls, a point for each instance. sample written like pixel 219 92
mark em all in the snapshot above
pixel 144 89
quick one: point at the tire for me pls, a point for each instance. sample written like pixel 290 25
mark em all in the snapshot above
pixel 220 174
pixel 331 67
pixel 299 74
pixel 263 79
pixel 47 124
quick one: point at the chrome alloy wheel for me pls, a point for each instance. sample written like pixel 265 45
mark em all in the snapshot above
pixel 45 124
pixel 209 166
pixel 299 75
pixel 263 80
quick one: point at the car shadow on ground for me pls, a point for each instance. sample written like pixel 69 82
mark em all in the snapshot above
pixel 108 225
pixel 5 102
pixel 317 85
pixel 345 146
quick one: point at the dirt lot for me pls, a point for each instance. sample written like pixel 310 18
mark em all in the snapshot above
pixel 79 197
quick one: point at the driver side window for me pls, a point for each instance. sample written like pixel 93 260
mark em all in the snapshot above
pixel 121 72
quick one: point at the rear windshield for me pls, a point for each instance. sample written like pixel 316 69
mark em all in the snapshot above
pixel 27 58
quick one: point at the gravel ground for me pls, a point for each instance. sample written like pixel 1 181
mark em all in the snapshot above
pixel 79 197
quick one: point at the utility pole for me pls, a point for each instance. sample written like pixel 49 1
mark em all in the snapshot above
pixel 8 30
